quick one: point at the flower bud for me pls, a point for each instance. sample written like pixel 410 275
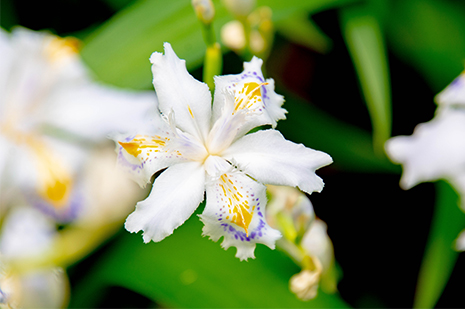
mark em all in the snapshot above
pixel 205 10
pixel 305 284
pixel 239 8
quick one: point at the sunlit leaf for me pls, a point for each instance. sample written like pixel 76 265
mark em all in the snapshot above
pixel 439 258
pixel 365 42
pixel 189 271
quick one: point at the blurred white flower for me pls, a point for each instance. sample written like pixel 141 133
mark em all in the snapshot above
pixel 51 113
pixel 233 35
pixel 204 10
pixel 240 8
pixel 435 150
pixel 205 148
pixel 25 235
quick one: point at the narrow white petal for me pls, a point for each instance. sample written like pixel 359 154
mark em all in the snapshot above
pixel 267 105
pixel 142 155
pixel 178 91
pixel 175 195
pixel 235 210
pixel 269 158
pixel 93 111
pixel 435 150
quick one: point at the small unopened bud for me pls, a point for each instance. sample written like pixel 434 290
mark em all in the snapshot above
pixel 233 36
pixel 205 10
pixel 305 284
pixel 261 35
pixel 239 8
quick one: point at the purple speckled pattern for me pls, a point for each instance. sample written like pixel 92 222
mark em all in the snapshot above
pixel 254 75
pixel 257 227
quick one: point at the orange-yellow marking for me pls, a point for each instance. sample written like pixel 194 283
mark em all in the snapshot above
pixel 190 111
pixel 246 97
pixel 140 142
pixel 238 206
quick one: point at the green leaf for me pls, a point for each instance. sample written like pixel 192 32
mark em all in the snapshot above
pixel 428 34
pixel 365 42
pixel 350 147
pixel 302 30
pixel 439 258
pixel 188 271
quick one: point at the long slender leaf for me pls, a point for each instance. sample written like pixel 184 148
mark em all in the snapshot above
pixel 365 42
pixel 439 258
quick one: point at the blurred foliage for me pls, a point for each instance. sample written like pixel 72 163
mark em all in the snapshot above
pixel 440 256
pixel 365 42
pixel 186 270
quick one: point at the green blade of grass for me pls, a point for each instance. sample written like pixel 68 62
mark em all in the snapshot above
pixel 440 257
pixel 365 42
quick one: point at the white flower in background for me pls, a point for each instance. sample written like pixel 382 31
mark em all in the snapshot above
pixel 436 149
pixel 26 234
pixel 51 113
pixel 206 149
pixel 305 239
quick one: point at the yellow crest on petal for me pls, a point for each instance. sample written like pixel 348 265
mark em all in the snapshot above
pixel 139 143
pixel 240 211
pixel 249 97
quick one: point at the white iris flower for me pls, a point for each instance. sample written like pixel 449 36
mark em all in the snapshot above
pixel 436 149
pixel 51 112
pixel 207 149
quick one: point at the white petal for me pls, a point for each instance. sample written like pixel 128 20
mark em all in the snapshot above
pixel 230 126
pixel 6 61
pixel 268 109
pixel 175 195
pixel 44 288
pixel 235 209
pixel 93 111
pixel 317 243
pixel 142 155
pixel 454 93
pixel 178 91
pixel 435 150
pixel 26 232
pixel 269 158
